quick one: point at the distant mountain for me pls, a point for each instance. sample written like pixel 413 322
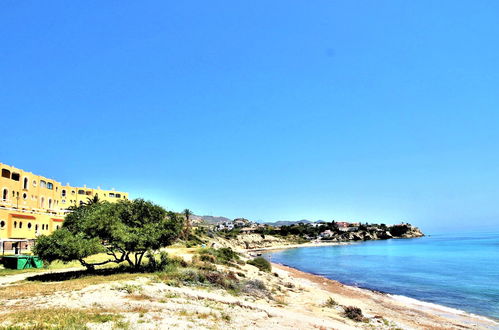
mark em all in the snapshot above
pixel 208 219
pixel 289 223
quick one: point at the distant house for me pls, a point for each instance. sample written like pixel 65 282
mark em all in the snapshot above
pixel 326 234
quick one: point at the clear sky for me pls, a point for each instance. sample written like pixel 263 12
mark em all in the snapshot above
pixel 381 111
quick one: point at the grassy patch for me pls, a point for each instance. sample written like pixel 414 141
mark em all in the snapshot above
pixel 61 318
pixel 45 287
pixel 224 256
pixel 330 302
pixel 261 263
pixel 129 288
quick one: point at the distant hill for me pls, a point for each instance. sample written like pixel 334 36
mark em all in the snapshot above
pixel 208 219
pixel 289 223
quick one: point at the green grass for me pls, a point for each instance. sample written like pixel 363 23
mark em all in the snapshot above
pixel 261 263
pixel 60 318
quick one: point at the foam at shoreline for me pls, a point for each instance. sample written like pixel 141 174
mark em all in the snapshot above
pixel 447 311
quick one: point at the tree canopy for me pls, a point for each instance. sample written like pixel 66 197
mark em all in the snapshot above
pixel 125 230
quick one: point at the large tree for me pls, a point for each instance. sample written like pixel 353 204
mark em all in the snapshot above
pixel 125 231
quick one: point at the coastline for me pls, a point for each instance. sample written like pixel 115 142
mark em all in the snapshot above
pixel 404 311
pixel 292 246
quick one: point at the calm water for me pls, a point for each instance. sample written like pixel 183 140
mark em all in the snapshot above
pixel 459 271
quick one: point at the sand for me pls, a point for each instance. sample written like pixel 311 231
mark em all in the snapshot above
pixel 295 300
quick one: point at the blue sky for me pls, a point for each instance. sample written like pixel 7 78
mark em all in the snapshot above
pixel 381 111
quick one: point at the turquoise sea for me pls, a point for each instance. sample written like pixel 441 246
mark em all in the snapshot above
pixel 455 270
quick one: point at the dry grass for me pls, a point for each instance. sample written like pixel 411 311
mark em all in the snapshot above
pixel 61 318
pixel 30 289
pixel 140 297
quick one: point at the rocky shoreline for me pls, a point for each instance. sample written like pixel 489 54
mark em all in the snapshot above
pixel 254 241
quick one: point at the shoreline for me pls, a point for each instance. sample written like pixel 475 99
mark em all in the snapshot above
pixel 293 246
pixel 409 311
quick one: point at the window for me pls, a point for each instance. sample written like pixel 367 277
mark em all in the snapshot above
pixel 57 227
pixel 89 193
pixel 25 196
pixel 50 185
pixel 5 173
pixel 34 183
pixel 2 224
pixel 15 224
pixel 20 224
pixel 63 192
pixel 43 184
pixel 118 196
pixel 72 192
pixel 81 192
pixel 111 194
pixel 29 225
pixel 50 203
pixel 63 201
pixel 36 227
pixel 16 176
pixel 5 194
pixel 42 202
pixel 25 183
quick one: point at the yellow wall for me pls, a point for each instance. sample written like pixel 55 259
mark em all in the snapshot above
pixel 32 204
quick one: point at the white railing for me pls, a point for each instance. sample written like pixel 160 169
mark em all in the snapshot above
pixel 35 211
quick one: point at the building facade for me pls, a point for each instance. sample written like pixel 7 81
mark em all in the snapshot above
pixel 32 205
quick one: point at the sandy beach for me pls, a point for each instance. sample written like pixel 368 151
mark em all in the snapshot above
pixel 406 312
pixel 294 300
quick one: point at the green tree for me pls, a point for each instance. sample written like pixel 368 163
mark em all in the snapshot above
pixel 187 226
pixel 125 231
pixel 93 200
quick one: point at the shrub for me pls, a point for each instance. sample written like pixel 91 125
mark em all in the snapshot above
pixel 330 302
pixel 261 263
pixel 354 313
pixel 221 256
pixel 208 258
pixel 255 288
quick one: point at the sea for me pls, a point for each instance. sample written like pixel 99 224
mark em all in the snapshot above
pixel 460 271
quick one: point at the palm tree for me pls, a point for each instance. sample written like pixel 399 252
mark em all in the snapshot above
pixel 91 201
pixel 187 228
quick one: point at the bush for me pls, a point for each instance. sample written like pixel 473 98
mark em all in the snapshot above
pixel 255 288
pixel 330 302
pixel 354 313
pixel 222 256
pixel 261 263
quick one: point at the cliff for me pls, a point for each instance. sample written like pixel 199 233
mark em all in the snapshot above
pixel 396 231
pixel 262 241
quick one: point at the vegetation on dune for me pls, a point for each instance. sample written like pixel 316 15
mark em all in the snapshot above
pixel 125 231
pixel 261 263
pixel 354 313
pixel 225 256
pixel 61 318
pixel 330 302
